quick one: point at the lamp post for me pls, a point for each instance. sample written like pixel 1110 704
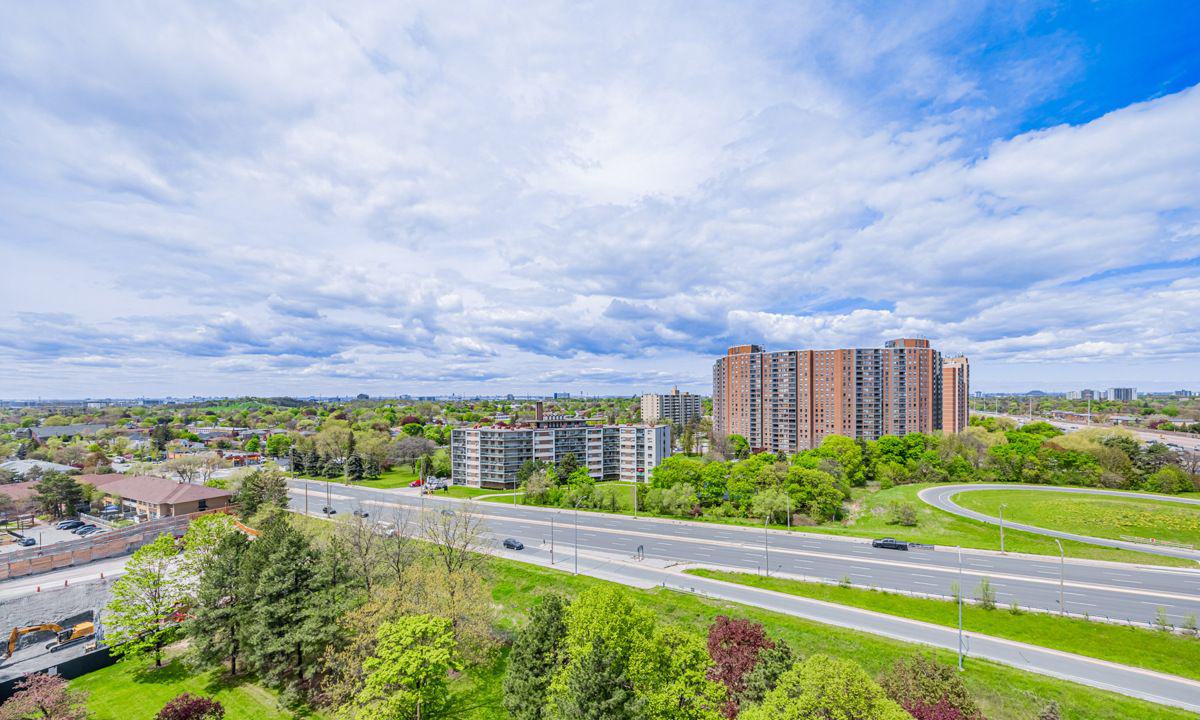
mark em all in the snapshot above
pixel 635 487
pixel 552 540
pixel 1062 568
pixel 766 545
pixel 327 496
pixel 960 611
pixel 305 497
pixel 1002 506
pixel 789 512
pixel 577 535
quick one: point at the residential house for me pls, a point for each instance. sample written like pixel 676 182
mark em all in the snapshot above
pixel 155 497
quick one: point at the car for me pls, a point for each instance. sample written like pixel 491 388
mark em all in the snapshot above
pixel 889 544
pixel 513 544
pixel 27 542
pixel 83 529
pixel 70 524
pixel 329 511
pixel 88 530
pixel 415 483
pixel 447 512
pixel 361 513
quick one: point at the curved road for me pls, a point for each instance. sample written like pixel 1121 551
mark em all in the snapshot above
pixel 940 497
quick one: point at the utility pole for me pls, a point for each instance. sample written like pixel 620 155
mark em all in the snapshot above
pixel 327 497
pixel 789 512
pixel 577 536
pixel 635 498
pixel 1062 568
pixel 960 611
pixel 766 545
pixel 305 497
pixel 1002 506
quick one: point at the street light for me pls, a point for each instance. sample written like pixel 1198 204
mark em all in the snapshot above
pixel 577 534
pixel 1062 568
pixel 551 540
pixel 1002 506
pixel 960 611
pixel 766 545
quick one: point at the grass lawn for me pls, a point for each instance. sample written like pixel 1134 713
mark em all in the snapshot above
pixel 1151 649
pixel 135 690
pixel 1003 693
pixel 397 477
pixel 869 518
pixel 1095 515
pixel 462 491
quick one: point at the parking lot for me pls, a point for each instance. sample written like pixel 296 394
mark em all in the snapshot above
pixel 44 534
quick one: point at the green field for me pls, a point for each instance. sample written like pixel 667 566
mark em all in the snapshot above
pixel 1003 693
pixel 1094 515
pixel 1150 649
pixel 397 477
pixel 135 690
pixel 869 516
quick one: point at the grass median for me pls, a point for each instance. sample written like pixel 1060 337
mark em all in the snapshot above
pixel 1140 647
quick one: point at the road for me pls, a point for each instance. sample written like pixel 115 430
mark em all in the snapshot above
pixel 1186 442
pixel 1135 682
pixel 1128 593
pixel 941 497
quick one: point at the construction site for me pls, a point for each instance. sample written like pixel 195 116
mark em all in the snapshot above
pixel 49 627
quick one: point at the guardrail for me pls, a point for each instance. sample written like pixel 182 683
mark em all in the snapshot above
pixel 1153 541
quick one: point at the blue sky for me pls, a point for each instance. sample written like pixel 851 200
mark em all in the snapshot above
pixel 233 198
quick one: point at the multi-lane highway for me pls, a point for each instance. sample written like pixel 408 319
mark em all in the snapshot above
pixel 1100 590
pixel 1188 442
pixel 942 497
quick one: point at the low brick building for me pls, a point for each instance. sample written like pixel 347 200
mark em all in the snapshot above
pixel 155 497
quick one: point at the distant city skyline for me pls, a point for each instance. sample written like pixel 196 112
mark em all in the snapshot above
pixel 600 199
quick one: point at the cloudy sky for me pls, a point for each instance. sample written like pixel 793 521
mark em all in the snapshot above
pixel 277 198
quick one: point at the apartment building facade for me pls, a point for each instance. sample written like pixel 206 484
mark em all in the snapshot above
pixel 491 456
pixel 956 394
pixel 674 407
pixel 790 400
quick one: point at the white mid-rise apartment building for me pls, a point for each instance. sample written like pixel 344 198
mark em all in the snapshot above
pixel 675 407
pixel 491 456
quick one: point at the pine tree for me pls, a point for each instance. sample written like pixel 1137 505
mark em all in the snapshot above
pixel 296 461
pixel 279 572
pixel 354 468
pixel 596 688
pixel 221 610
pixel 535 658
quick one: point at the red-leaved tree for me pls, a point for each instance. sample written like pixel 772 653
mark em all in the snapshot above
pixel 191 707
pixel 734 646
pixel 45 696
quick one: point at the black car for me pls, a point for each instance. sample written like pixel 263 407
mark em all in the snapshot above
pixel 889 544
pixel 328 510
pixel 361 513
pixel 70 524
pixel 83 529
pixel 27 542
pixel 88 530
pixel 513 544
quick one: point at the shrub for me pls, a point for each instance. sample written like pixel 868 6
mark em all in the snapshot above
pixel 987 596
pixel 191 707
pixel 929 690
pixel 902 514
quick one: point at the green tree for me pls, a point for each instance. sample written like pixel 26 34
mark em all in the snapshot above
pixel 406 677
pixel 279 445
pixel 138 618
pixel 58 494
pixel 221 610
pixel 253 444
pixel 203 536
pixel 567 466
pixel 826 688
pixel 266 486
pixel 762 678
pixel 354 468
pixel 535 658
pixel 594 686
pixel 740 446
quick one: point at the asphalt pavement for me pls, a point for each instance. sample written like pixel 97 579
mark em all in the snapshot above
pixel 942 496
pixel 1116 591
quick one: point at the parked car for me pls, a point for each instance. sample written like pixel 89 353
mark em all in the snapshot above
pixel 83 529
pixel 889 544
pixel 415 483
pixel 27 542
pixel 88 530
pixel 361 513
pixel 69 524
pixel 329 511
pixel 513 544
pixel 447 512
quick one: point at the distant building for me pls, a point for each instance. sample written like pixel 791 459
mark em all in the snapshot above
pixel 1082 395
pixel 1125 394
pixel 791 400
pixel 154 497
pixel 562 396
pixel 491 456
pixel 44 433
pixel 956 386
pixel 21 468
pixel 676 407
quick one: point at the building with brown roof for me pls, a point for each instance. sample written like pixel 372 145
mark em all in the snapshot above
pixel 155 497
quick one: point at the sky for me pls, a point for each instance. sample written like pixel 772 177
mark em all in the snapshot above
pixel 219 198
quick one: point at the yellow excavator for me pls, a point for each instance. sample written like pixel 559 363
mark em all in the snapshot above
pixel 75 634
